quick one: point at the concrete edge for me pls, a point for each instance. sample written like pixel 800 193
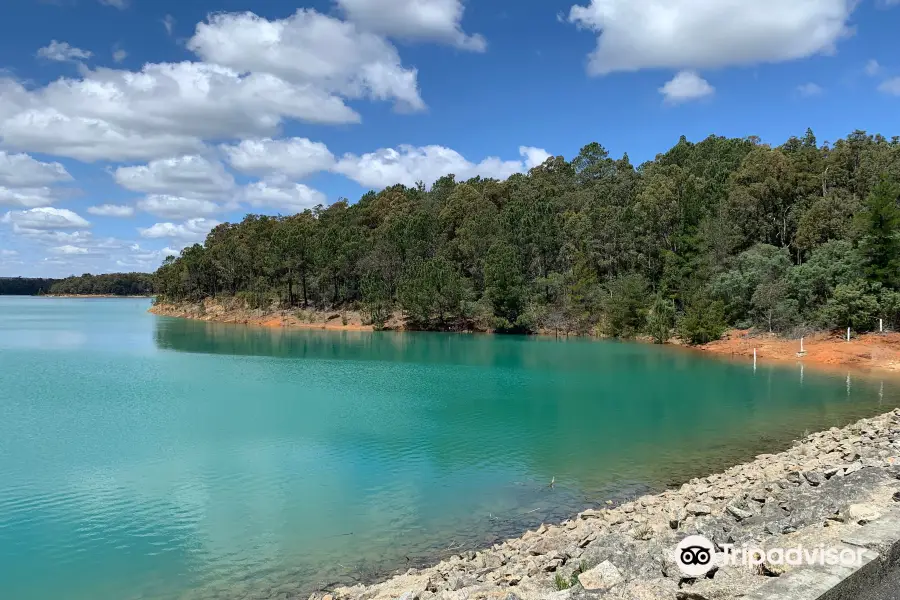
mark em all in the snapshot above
pixel 881 559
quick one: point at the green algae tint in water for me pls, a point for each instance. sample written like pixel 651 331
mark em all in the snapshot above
pixel 143 457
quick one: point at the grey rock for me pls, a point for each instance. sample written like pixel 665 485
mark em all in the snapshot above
pixel 738 513
pixel 602 577
pixel 698 509
pixel 814 478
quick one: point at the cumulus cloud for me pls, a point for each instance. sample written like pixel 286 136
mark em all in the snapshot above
pixel 44 218
pixel 111 210
pixel 293 157
pixel 890 86
pixel 436 20
pixel 309 49
pixel 534 157
pixel 872 68
pixel 191 176
pixel 686 86
pixel 164 109
pixel 409 164
pixel 177 207
pixel 192 230
pixel 690 34
pixel 21 170
pixel 282 195
pixel 62 52
pixel 810 89
pixel 68 249
pixel 27 197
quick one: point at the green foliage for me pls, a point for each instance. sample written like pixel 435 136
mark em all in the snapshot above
pixel 625 306
pixel 561 583
pixel 108 284
pixel 880 224
pixel 703 320
pixel 661 319
pixel 22 286
pixel 769 234
pixel 854 305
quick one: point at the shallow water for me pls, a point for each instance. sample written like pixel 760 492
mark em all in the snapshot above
pixel 148 457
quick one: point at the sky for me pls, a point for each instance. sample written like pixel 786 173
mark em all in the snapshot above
pixel 130 128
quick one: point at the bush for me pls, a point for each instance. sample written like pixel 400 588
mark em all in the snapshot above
pixel 703 321
pixel 625 306
pixel 853 305
pixel 661 319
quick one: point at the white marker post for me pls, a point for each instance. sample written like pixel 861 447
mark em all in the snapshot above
pixel 848 334
pixel 754 360
pixel 880 325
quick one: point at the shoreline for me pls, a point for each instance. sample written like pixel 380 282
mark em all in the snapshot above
pixel 872 352
pixel 821 491
pixel 89 296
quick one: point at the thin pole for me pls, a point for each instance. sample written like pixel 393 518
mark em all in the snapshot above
pixel 848 334
pixel 754 359
pixel 880 325
pixel 801 344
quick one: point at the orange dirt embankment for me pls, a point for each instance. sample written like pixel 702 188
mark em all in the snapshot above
pixel 873 351
pixel 211 310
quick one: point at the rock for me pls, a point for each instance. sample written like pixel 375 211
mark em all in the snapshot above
pixel 697 509
pixel 863 513
pixel 409 596
pixel 814 478
pixel 896 496
pixel 458 582
pixel 738 513
pixel 602 577
pixel 852 468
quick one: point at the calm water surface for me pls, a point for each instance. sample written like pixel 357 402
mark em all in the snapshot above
pixel 146 457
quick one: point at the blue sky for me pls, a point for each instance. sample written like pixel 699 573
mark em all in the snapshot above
pixel 128 128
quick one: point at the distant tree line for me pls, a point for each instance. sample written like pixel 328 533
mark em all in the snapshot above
pixel 725 232
pixel 25 286
pixel 107 284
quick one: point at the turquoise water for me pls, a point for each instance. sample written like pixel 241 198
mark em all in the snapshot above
pixel 146 457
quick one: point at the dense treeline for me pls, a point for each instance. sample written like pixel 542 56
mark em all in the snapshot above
pixel 25 286
pixel 725 232
pixel 107 284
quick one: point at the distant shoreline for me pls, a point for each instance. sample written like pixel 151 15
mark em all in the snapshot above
pixel 871 351
pixel 89 296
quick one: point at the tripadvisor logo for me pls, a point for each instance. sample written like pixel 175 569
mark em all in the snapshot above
pixel 694 555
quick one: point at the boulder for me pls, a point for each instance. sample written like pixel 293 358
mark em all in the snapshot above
pixel 602 577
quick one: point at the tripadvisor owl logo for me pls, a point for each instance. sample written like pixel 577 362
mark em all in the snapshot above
pixel 695 555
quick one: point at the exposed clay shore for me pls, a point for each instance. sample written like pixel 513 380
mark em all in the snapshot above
pixel 90 296
pixel 821 491
pixel 871 351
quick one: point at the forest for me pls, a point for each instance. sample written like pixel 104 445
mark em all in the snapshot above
pixel 727 232
pixel 25 286
pixel 107 284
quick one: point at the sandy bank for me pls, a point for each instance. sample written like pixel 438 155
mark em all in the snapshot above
pixel 230 312
pixel 90 296
pixel 872 351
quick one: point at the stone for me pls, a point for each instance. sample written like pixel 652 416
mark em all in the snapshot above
pixel 738 513
pixel 863 513
pixel 602 577
pixel 814 478
pixel 697 509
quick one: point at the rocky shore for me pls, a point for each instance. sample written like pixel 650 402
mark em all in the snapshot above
pixel 820 491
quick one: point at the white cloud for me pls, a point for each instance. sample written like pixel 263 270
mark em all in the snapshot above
pixel 27 197
pixel 809 89
pixel 293 157
pixel 44 218
pixel 163 109
pixel 111 210
pixel 177 207
pixel 437 20
pixel 283 195
pixel 169 23
pixel 120 4
pixel 685 86
pixel 190 176
pixel 679 34
pixel 21 170
pixel 68 249
pixel 8 252
pixel 192 230
pixel 534 157
pixel 62 52
pixel 872 68
pixel 890 86
pixel 409 164
pixel 311 49
pixel 119 55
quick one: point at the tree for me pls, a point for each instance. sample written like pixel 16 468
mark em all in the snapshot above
pixel 880 244
pixel 703 320
pixel 504 285
pixel 625 306
pixel 853 305
pixel 661 319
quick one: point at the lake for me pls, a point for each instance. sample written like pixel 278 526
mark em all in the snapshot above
pixel 150 457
